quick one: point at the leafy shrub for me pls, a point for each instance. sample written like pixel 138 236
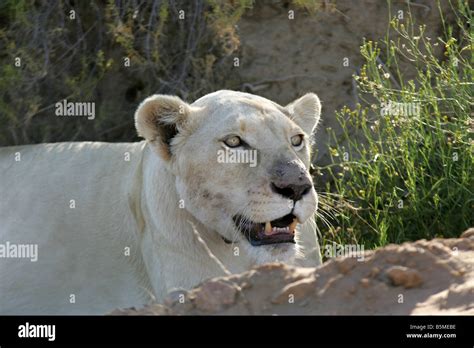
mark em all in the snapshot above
pixel 77 51
pixel 405 171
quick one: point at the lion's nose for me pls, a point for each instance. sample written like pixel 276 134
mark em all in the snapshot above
pixel 292 191
pixel 290 179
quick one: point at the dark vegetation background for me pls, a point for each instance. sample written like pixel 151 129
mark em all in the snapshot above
pixel 82 59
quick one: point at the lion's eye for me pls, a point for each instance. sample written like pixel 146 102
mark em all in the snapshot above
pixel 233 141
pixel 297 140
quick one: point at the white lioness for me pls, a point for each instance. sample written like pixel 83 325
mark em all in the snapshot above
pixel 219 185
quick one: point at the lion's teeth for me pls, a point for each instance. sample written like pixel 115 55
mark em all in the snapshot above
pixel 268 228
pixel 293 226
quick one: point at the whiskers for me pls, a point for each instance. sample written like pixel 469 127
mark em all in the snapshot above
pixel 330 205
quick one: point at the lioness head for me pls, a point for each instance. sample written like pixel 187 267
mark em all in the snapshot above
pixel 241 163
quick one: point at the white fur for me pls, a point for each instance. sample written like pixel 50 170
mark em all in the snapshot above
pixel 135 204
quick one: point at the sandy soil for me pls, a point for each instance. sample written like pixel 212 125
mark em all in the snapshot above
pixel 423 277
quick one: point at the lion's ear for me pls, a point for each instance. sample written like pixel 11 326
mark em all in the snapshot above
pixel 159 119
pixel 305 112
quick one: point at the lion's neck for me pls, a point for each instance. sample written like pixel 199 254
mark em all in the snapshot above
pixel 169 235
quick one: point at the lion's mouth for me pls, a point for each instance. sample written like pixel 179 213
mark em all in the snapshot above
pixel 281 230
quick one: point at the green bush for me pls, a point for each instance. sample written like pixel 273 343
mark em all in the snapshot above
pixel 404 171
pixel 78 51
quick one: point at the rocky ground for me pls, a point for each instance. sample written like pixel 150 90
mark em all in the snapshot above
pixel 423 277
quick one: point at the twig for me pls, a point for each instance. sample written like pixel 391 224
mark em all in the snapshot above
pixel 354 89
pixel 209 252
pixel 388 71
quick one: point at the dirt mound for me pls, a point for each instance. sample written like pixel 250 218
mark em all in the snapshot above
pixel 424 277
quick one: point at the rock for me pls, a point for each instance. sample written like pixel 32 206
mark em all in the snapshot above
pixel 365 282
pixel 346 265
pixel 375 271
pixel 404 276
pixel 214 295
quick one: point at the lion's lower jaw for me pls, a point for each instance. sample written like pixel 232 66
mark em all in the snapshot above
pixel 285 253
